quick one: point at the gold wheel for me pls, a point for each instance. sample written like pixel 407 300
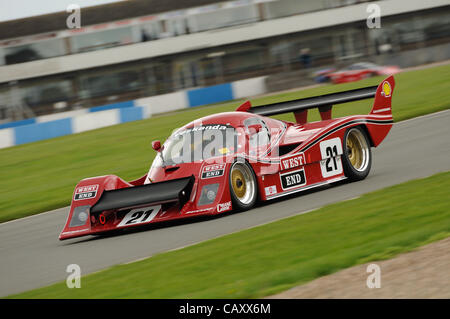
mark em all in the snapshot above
pixel 238 183
pixel 354 151
pixel 243 184
pixel 357 150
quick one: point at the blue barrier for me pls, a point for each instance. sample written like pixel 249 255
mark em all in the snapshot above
pixel 209 95
pixel 42 131
pixel 118 105
pixel 131 114
pixel 18 123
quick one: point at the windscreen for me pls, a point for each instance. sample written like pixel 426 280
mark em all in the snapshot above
pixel 198 143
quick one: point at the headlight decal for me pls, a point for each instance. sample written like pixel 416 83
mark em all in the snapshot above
pixel 80 216
pixel 208 194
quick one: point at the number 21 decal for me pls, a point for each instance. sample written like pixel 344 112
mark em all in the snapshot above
pixel 140 215
pixel 331 151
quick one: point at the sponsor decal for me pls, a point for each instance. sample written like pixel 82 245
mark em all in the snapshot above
pixel 293 179
pixel 386 92
pixel 331 151
pixel 199 210
pixel 223 207
pixel 86 192
pixel 292 162
pixel 140 216
pixel 211 171
pixel 200 128
pixel 271 190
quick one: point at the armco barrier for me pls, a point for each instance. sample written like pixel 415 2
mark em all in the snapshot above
pixel 65 123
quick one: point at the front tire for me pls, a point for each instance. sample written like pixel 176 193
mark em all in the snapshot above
pixel 243 185
pixel 357 157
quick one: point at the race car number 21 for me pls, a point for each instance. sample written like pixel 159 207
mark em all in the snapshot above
pixel 331 151
pixel 140 216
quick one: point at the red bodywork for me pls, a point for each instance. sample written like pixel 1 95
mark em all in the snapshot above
pixel 293 147
pixel 357 74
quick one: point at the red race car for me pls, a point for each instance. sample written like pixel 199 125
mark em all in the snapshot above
pixel 359 71
pixel 229 161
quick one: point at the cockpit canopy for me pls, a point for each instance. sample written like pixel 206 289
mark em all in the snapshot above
pixel 198 143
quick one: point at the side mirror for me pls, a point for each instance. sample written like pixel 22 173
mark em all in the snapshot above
pixel 156 145
pixel 255 128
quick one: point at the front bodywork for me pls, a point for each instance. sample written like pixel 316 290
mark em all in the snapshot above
pixel 298 156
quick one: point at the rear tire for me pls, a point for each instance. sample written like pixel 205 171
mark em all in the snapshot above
pixel 243 185
pixel 357 156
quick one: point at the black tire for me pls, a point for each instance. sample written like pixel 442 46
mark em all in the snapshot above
pixel 357 155
pixel 243 185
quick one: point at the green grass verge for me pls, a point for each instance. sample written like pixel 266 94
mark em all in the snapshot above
pixel 274 257
pixel 41 176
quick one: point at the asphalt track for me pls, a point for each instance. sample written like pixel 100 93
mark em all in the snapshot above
pixel 31 255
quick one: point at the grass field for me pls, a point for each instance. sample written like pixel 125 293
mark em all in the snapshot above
pixel 41 176
pixel 274 257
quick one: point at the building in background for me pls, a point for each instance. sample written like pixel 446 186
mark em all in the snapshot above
pixel 135 49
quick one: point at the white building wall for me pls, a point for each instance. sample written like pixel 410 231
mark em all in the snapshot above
pixel 209 39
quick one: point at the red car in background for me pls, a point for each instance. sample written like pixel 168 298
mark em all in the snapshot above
pixel 359 71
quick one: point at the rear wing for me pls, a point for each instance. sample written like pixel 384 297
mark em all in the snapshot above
pixel 382 104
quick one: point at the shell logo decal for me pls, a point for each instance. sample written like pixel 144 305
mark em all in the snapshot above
pixel 386 92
